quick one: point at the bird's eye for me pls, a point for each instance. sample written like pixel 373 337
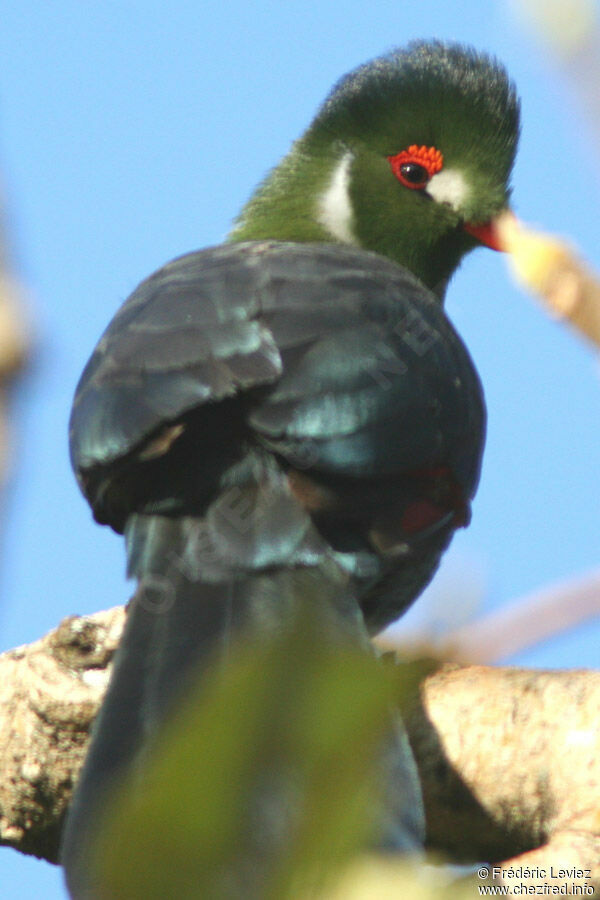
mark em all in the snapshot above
pixel 416 166
pixel 413 175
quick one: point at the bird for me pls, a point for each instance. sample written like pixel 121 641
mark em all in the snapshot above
pixel 292 411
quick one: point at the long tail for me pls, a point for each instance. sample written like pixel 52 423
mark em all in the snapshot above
pixel 182 618
pixel 175 625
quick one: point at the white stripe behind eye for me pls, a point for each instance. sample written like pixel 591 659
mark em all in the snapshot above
pixel 334 209
pixel 449 186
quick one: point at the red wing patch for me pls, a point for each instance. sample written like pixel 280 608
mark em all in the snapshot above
pixel 421 515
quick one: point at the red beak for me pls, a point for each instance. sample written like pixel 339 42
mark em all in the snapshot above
pixel 486 233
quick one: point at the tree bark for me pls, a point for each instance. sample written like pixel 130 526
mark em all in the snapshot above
pixel 509 758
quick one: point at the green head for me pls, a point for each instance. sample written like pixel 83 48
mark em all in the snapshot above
pixel 405 152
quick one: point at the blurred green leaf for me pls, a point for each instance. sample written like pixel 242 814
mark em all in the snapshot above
pixel 372 877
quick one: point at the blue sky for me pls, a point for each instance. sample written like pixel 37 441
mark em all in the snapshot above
pixel 131 132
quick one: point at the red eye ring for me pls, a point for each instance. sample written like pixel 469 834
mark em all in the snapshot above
pixel 415 166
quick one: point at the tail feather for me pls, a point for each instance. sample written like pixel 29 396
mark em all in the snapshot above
pixel 187 609
pixel 160 649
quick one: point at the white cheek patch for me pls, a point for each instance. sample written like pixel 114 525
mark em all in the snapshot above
pixel 334 209
pixel 449 186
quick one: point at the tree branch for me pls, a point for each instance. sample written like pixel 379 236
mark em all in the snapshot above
pixel 510 765
pixel 509 758
pixel 50 692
